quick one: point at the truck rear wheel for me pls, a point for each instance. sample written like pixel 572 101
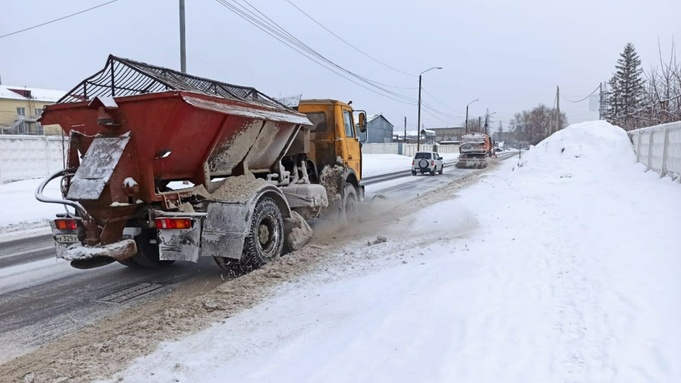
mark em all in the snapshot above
pixel 265 240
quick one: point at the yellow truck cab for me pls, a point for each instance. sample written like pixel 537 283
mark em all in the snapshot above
pixel 334 137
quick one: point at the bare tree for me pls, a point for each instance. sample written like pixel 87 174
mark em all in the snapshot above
pixel 662 102
pixel 535 125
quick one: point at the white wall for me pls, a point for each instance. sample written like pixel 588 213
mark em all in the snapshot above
pixel 407 149
pixel 24 157
pixel 659 148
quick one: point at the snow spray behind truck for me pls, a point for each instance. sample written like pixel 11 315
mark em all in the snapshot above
pixel 163 166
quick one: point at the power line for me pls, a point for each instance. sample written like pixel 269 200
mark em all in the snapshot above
pixel 309 49
pixel 59 19
pixel 440 102
pixel 352 46
pixel 589 95
pixel 268 26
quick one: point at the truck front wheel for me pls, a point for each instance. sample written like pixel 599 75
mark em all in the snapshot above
pixel 350 205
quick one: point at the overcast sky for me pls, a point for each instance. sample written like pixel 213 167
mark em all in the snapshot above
pixel 510 55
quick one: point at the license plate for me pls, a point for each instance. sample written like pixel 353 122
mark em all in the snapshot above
pixel 66 238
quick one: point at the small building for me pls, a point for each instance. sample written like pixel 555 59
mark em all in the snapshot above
pixel 379 129
pixel 427 137
pixel 449 135
pixel 20 108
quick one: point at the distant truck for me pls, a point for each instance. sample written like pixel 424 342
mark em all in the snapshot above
pixel 474 151
pixel 163 166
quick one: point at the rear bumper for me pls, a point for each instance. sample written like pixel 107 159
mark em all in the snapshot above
pixel 423 170
pixel 119 251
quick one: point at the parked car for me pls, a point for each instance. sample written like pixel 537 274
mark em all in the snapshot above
pixel 427 162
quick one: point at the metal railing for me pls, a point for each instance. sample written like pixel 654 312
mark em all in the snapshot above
pixel 124 77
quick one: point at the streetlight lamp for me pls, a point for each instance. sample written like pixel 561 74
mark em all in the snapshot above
pixel 467 113
pixel 418 123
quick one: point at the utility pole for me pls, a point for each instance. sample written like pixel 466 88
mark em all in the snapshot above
pixel 405 130
pixel 183 44
pixel 486 120
pixel 418 123
pixel 479 123
pixel 558 124
pixel 600 101
pixel 466 131
pixel 467 113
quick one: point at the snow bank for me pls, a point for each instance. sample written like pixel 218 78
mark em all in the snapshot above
pixel 21 210
pixel 588 147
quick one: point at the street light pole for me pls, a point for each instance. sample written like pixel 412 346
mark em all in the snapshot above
pixel 418 123
pixel 183 43
pixel 467 113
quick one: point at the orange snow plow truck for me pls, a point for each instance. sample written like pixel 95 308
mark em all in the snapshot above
pixel 163 166
pixel 474 151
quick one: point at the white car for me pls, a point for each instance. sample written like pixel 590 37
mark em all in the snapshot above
pixel 426 162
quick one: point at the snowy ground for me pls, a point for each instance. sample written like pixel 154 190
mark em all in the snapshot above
pixel 565 269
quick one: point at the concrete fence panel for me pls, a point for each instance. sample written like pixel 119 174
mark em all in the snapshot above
pixel 406 149
pixel 23 157
pixel 659 148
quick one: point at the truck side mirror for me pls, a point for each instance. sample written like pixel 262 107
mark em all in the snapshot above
pixel 362 123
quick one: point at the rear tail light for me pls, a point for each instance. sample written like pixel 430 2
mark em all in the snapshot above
pixel 412 162
pixel 173 223
pixel 66 224
pixel 432 163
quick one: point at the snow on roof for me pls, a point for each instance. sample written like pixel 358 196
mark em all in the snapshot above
pixel 37 94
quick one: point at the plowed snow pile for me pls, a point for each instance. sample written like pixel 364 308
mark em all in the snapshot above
pixel 565 269
pixel 589 147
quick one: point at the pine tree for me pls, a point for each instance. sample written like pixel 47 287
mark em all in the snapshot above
pixel 613 102
pixel 626 89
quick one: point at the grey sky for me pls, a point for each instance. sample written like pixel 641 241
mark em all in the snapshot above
pixel 508 54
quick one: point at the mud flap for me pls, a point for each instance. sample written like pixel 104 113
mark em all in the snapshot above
pixel 225 228
pixel 297 232
pixel 98 165
pixel 180 245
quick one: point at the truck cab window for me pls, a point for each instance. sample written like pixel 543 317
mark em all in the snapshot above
pixel 349 127
pixel 318 120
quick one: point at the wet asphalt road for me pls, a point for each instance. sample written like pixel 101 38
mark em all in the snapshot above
pixel 43 298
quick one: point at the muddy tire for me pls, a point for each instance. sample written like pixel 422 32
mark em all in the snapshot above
pixel 147 253
pixel 264 242
pixel 350 207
